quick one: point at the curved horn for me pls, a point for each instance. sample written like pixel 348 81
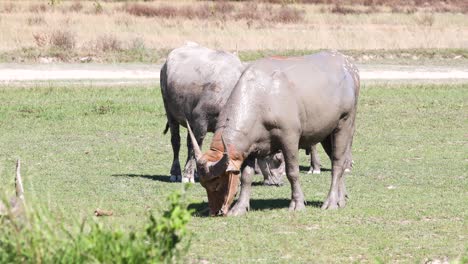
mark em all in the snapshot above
pixel 196 147
pixel 220 167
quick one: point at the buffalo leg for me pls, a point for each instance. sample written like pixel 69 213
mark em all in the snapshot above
pixel 327 146
pixel 349 152
pixel 243 203
pixel 314 161
pixel 340 142
pixel 176 174
pixel 290 152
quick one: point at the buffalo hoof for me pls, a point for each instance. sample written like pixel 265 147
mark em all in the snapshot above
pixel 175 178
pixel 238 210
pixel 271 183
pixel 297 205
pixel 313 171
pixel 333 202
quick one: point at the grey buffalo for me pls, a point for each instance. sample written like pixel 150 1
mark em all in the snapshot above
pixel 195 84
pixel 282 104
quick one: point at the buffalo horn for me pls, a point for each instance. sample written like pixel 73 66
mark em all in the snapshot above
pixel 196 147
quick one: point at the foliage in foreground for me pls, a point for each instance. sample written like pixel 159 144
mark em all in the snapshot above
pixel 40 238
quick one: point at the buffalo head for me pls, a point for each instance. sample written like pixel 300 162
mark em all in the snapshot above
pixel 218 175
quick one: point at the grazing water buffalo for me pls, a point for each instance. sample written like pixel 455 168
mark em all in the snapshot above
pixel 282 104
pixel 195 84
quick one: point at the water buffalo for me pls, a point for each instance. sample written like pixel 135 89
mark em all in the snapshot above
pixel 195 84
pixel 282 104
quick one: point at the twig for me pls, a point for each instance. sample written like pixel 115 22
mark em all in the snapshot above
pixel 99 212
pixel 19 182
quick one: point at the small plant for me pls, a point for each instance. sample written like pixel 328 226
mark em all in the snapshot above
pixel 98 9
pixel 36 20
pixel 165 11
pixel 425 19
pixel 62 39
pixel 54 2
pixel 138 44
pixel 104 108
pixel 108 43
pixel 168 231
pixel 9 7
pixel 288 14
pixel 38 8
pixel 249 11
pixel 223 7
pixel 76 7
pixel 343 10
pixel 40 39
pixel 40 238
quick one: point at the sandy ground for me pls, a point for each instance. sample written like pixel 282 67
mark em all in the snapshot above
pixel 140 73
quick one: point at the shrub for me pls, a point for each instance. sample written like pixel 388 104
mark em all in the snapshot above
pixel 98 9
pixel 62 39
pixel 426 19
pixel 339 9
pixel 9 7
pixel 38 8
pixel 76 6
pixel 36 20
pixel 223 7
pixel 288 14
pixel 204 11
pixel 248 11
pixel 149 11
pixel 39 238
pixel 108 43
pixel 40 39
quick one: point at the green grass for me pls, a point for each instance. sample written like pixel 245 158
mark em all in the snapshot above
pixel 85 147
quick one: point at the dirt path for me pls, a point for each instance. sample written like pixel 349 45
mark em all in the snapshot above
pixel 137 73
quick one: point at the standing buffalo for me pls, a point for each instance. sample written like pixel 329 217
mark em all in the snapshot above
pixel 282 104
pixel 195 84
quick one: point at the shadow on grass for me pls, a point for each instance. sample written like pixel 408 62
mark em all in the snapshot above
pixel 306 168
pixel 260 183
pixel 161 178
pixel 202 210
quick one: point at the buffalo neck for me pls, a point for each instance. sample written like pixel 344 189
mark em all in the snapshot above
pixel 239 122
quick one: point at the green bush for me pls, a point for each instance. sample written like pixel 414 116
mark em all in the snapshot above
pixel 36 237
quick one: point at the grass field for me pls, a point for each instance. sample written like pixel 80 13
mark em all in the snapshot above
pixel 85 147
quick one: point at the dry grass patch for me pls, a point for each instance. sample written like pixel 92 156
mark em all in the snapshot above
pixel 40 39
pixel 243 26
pixel 76 7
pixel 62 39
pixel 36 20
pixel 219 10
pixel 9 7
pixel 38 8
pixel 108 42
